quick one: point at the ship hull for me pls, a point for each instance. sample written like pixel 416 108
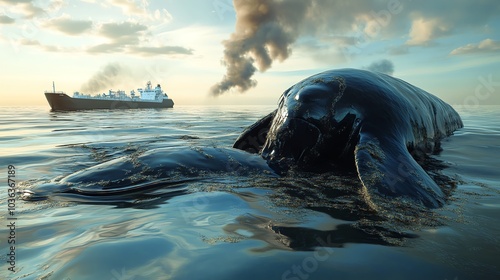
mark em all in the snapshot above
pixel 63 102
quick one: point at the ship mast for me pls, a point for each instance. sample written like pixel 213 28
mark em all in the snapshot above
pixel 53 87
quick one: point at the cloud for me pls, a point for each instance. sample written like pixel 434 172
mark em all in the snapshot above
pixel 33 11
pixel 139 50
pixel 120 35
pixel 6 20
pixel 127 36
pixel 106 48
pixel 383 66
pixel 48 48
pixel 119 31
pixel 485 46
pixel 15 2
pixel 423 31
pixel 163 15
pixel 52 48
pixel 69 26
pixel 29 9
pixel 28 42
pixel 163 50
pixel 130 6
pixel 139 9
pixel 134 36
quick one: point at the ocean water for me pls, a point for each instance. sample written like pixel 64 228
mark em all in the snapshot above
pixel 232 227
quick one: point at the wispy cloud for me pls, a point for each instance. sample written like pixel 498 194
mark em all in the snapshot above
pixel 130 38
pixel 44 47
pixel 485 46
pixel 47 48
pixel 123 32
pixel 106 48
pixel 130 6
pixel 120 36
pixel 28 9
pixel 140 10
pixel 14 2
pixel 162 50
pixel 138 50
pixel 69 26
pixel 28 42
pixel 6 20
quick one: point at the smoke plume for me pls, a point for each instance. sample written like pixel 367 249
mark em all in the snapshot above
pixel 110 75
pixel 265 29
pixel 384 66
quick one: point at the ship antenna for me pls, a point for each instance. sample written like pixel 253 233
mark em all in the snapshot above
pixel 53 86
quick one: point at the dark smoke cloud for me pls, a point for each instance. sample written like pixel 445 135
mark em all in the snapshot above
pixel 384 66
pixel 265 29
pixel 110 75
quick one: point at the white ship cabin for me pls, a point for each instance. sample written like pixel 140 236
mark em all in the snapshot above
pixel 149 93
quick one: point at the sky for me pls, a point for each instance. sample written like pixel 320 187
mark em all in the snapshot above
pixel 245 51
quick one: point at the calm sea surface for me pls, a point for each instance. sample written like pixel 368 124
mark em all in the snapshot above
pixel 230 228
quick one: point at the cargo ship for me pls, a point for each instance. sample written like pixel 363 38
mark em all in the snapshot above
pixel 148 97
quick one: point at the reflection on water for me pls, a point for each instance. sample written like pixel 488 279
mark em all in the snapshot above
pixel 297 227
